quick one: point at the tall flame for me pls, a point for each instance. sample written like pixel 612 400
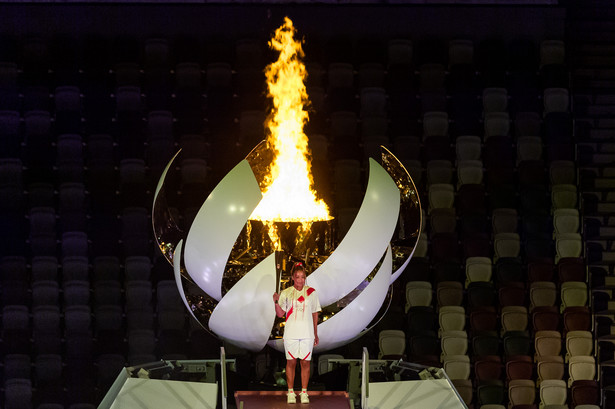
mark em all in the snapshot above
pixel 289 194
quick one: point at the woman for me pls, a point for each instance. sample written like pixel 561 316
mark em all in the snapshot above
pixel 301 306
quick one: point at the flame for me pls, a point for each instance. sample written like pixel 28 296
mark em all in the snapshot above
pixel 288 193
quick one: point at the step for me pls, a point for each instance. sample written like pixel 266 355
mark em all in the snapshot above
pixel 605 123
pixel 601 147
pixel 589 173
pixel 603 210
pixel 590 99
pixel 603 158
pixel 592 36
pixel 605 134
pixel 595 73
pixel 606 207
pixel 595 61
pixel 593 83
pixel 594 25
pixel 277 399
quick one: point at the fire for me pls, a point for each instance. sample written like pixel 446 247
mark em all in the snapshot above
pixel 288 194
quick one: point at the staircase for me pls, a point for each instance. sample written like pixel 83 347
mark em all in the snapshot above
pixel 591 55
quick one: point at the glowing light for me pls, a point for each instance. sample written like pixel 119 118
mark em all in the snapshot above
pixel 288 193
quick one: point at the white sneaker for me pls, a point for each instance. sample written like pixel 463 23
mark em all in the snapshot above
pixel 291 398
pixel 304 397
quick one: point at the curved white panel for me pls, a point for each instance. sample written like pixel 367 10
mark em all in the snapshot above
pixel 164 175
pixel 347 324
pixel 178 276
pixel 366 240
pixel 246 314
pixel 217 225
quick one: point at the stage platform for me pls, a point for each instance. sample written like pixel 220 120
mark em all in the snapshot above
pixel 277 400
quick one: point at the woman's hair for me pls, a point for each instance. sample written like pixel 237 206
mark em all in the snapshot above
pixel 297 267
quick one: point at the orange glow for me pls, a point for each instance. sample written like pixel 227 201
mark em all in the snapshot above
pixel 289 194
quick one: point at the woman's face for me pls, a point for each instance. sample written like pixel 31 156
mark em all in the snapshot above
pixel 299 278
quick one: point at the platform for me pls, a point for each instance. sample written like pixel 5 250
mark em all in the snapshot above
pixel 277 400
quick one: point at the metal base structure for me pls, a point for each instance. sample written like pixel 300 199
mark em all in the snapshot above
pixel 151 386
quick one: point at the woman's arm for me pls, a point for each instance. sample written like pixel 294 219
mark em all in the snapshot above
pixel 315 319
pixel 278 310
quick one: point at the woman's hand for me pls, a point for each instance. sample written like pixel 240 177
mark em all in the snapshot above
pixel 315 340
pixel 276 297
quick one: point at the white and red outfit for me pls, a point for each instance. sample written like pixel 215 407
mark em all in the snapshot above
pixel 299 328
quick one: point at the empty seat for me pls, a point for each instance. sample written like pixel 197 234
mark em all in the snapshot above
pixel 516 343
pixel 566 221
pixel 571 269
pixel 373 101
pixel 504 220
pixel 453 343
pixel 547 343
pixel 495 100
pixel 552 52
pixel 490 393
pixel 76 292
pixel 486 343
pixel 77 319
pixel 17 366
pixel 579 343
pixel 442 220
pixel 546 318
pixel 488 368
pixel 514 318
pixel 452 318
pixel 542 293
pixel 553 392
pixel 449 293
pixel 74 244
pixel 418 293
pixel 469 172
pixel 457 366
pixel 521 392
pixel 527 124
pixel 529 148
pixel 483 319
pixel 585 394
pixel 496 124
pixel 573 294
pixel 75 268
pixel 45 293
pixel 556 100
pixel 399 51
pixel 435 124
pixel 512 294
pixel 468 147
pixel 562 172
pixel 564 196
pixel 168 296
pixel 392 344
pixel 519 367
pixel 137 268
pixel 568 245
pixel 506 245
pixel 481 294
pixel 421 319
pixel 550 367
pixel 577 319
pixel 441 196
pixel 478 269
pixel 439 172
pixel 581 367
pixel 18 394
